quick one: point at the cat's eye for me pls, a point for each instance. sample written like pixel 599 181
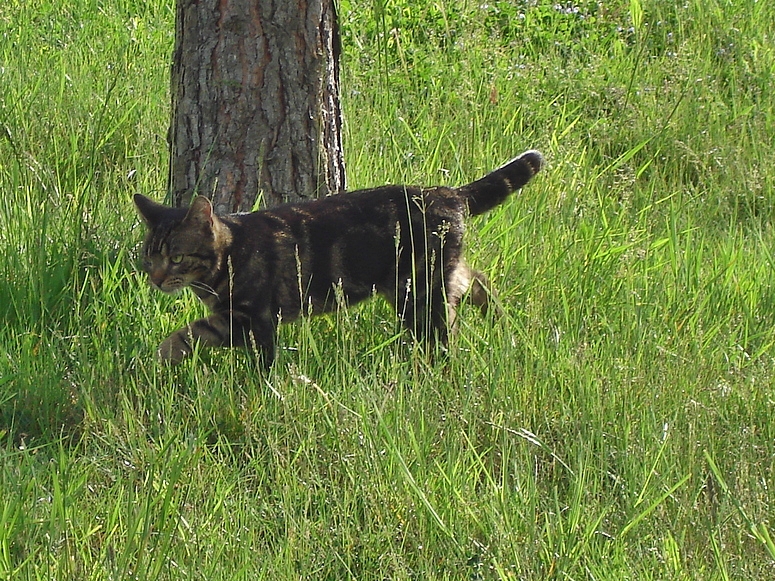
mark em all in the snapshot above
pixel 177 259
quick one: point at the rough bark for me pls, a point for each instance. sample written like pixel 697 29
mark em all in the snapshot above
pixel 255 102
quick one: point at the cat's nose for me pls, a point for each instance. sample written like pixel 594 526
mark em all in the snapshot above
pixel 157 278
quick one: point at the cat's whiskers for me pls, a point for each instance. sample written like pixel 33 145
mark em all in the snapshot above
pixel 205 287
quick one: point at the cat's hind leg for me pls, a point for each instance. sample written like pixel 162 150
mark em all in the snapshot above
pixel 481 293
pixel 422 311
pixel 466 284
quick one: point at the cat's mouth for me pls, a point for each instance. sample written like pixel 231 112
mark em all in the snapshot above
pixel 170 286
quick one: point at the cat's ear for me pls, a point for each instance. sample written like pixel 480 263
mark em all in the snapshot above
pixel 200 212
pixel 150 211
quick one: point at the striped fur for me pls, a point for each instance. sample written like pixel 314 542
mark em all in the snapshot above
pixel 256 270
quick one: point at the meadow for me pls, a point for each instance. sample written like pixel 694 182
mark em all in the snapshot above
pixel 618 422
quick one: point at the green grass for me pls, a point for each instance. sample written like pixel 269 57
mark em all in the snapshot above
pixel 616 424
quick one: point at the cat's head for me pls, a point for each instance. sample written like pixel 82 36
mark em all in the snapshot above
pixel 183 246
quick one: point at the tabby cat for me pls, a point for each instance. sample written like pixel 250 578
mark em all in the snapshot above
pixel 258 269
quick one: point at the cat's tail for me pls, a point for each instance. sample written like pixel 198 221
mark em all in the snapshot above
pixel 491 190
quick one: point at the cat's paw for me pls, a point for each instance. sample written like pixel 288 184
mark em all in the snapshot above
pixel 174 349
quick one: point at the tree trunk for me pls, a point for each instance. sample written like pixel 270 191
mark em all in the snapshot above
pixel 255 102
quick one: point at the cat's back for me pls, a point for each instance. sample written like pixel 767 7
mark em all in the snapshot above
pixel 369 214
pixel 336 210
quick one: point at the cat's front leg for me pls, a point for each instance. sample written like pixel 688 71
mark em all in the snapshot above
pixel 217 330
pixel 176 347
pixel 261 341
